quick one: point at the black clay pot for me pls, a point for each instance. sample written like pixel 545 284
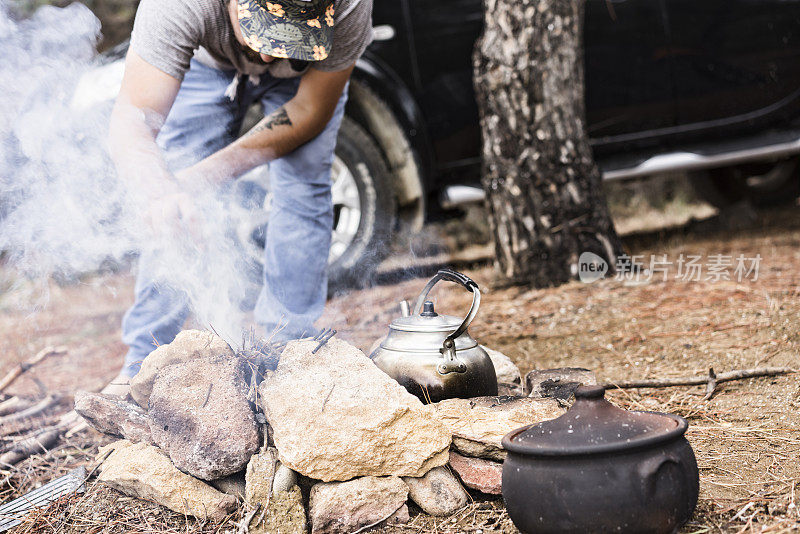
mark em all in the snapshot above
pixel 600 469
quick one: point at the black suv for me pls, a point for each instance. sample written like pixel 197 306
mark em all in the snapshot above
pixel 711 87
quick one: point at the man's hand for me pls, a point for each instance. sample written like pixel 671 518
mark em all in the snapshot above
pixel 175 210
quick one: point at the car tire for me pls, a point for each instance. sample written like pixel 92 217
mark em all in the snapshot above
pixel 764 184
pixel 356 265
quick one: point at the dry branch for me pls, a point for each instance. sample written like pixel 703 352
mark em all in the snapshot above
pixel 14 404
pixel 21 367
pixel 29 412
pixel 41 442
pixel 712 379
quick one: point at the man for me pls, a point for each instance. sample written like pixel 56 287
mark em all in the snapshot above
pixel 195 66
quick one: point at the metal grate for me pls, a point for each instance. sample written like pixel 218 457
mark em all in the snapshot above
pixel 11 513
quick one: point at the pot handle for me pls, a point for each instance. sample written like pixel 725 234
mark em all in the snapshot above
pixel 451 363
pixel 648 470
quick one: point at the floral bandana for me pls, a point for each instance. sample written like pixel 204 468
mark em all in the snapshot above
pixel 296 29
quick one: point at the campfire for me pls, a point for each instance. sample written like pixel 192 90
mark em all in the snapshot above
pixel 316 433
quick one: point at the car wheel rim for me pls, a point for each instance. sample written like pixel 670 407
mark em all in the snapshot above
pixel 346 213
pixel 346 209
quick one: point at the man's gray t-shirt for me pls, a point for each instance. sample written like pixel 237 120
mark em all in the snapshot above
pixel 168 33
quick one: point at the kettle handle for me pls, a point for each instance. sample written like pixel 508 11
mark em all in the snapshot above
pixel 458 278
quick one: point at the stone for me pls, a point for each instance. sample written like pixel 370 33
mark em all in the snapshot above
pixel 259 476
pixel 341 507
pixel 509 378
pixel 285 514
pixel 336 416
pixel 187 345
pixel 479 424
pixel 558 383
pixel 438 492
pixel 142 471
pixel 114 416
pixel 200 416
pixel 483 475
pixel 274 487
pixel 400 517
pixel 284 479
pixel 231 485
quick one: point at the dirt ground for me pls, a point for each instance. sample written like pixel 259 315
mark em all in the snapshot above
pixel 746 437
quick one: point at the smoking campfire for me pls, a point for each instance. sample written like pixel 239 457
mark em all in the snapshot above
pixel 319 428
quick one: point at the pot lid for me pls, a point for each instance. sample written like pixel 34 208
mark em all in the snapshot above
pixel 592 426
pixel 427 321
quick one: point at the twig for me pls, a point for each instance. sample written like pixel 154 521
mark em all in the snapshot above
pixel 711 385
pixel 324 339
pixel 322 333
pixel 14 404
pixel 327 398
pixel 244 526
pixel 97 465
pixel 47 438
pixel 208 395
pixel 36 409
pixel 21 367
pixel 711 378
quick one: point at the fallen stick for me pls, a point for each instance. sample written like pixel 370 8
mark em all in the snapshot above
pixel 244 526
pixel 29 412
pixel 14 404
pixel 33 445
pixel 711 380
pixel 21 367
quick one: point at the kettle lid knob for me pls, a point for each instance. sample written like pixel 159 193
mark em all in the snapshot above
pixel 427 310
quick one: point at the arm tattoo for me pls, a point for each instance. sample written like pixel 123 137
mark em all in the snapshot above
pixel 277 118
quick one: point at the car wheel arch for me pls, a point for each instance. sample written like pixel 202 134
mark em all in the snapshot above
pixel 384 106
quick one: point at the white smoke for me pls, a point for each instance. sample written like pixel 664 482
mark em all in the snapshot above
pixel 63 209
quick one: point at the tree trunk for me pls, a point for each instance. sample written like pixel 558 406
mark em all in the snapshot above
pixel 543 189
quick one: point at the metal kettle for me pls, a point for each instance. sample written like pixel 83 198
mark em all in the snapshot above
pixel 433 356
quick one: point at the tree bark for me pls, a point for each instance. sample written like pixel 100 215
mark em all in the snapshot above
pixel 543 188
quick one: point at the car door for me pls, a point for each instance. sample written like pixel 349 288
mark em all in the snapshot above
pixel 737 62
pixel 629 82
pixel 629 89
pixel 444 33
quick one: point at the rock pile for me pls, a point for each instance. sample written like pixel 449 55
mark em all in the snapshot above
pixel 326 432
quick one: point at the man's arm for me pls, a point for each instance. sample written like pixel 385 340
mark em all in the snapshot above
pixel 144 100
pixel 299 120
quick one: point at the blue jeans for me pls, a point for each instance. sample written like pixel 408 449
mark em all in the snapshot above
pixel 202 121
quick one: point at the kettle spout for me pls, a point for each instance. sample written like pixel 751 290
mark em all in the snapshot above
pixel 405 310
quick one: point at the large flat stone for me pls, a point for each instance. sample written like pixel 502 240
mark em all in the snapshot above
pixel 438 492
pixel 343 507
pixel 142 471
pixel 200 416
pixel 336 416
pixel 114 416
pixel 483 475
pixel 187 345
pixel 479 424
